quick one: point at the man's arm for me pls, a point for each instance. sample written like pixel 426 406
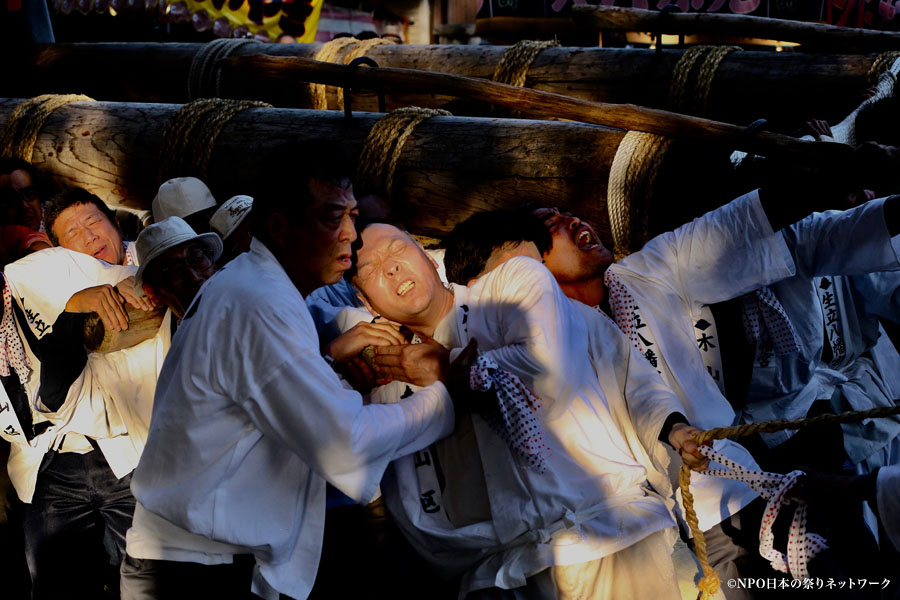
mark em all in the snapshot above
pixel 302 404
pixel 725 253
pixel 850 242
pixel 539 336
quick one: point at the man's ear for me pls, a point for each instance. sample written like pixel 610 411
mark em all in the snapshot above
pixel 151 294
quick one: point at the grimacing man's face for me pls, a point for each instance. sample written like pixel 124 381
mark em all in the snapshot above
pixel 398 279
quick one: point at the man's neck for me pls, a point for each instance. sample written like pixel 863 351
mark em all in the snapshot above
pixel 588 291
pixel 443 304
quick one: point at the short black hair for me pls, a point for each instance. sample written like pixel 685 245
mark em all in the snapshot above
pixel 471 243
pixel 282 185
pixel 43 186
pixel 70 197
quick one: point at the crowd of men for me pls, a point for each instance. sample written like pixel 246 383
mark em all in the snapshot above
pixel 328 409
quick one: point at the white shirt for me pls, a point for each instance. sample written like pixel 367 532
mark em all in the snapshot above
pixel 111 399
pixel 887 495
pixel 725 253
pixel 593 499
pixel 847 273
pixel 249 422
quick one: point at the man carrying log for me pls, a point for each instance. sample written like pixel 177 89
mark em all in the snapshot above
pixel 87 413
pixel 249 421
pixel 533 518
pixel 723 254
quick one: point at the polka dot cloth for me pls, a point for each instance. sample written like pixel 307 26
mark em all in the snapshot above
pixel 130 260
pixel 515 421
pixel 765 317
pixel 773 487
pixel 11 350
pixel 622 306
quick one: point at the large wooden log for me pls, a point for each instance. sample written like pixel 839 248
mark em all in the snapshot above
pixel 450 166
pixel 528 101
pixel 785 88
pixel 816 35
pixel 142 325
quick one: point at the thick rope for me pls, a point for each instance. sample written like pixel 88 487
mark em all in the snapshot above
pixel 881 64
pixel 26 121
pixel 632 179
pixel 205 76
pixel 512 68
pixel 709 583
pixel 190 135
pixel 329 53
pixel 709 57
pixel 383 147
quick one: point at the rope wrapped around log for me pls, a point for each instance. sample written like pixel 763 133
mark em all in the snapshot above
pixel 882 63
pixel 383 147
pixel 632 179
pixel 329 53
pixel 205 76
pixel 709 583
pixel 190 135
pixel 696 102
pixel 512 68
pixel 28 118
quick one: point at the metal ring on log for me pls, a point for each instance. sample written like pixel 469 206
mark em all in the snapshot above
pixel 383 146
pixel 359 51
pixel 329 53
pixel 631 183
pixel 22 128
pixel 710 58
pixel 205 75
pixel 190 135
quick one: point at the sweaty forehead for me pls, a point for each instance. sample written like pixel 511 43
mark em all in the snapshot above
pixel 380 235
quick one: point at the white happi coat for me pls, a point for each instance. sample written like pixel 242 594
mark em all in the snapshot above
pixel 662 305
pixel 593 500
pixel 111 400
pixel 249 422
pixel 847 276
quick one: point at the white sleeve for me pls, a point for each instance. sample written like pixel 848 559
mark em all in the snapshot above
pixel 303 405
pixel 850 242
pixel 543 339
pixel 725 253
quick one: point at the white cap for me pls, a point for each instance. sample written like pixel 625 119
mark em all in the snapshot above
pixel 181 197
pixel 159 237
pixel 231 214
